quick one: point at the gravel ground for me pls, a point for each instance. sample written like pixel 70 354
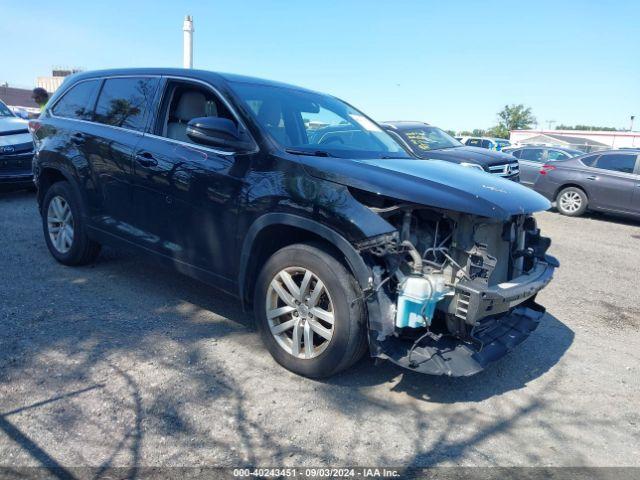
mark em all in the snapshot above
pixel 125 364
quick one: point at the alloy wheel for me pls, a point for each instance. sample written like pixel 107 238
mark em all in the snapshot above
pixel 570 202
pixel 60 224
pixel 300 312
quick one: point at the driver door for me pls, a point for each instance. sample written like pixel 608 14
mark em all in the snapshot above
pixel 185 194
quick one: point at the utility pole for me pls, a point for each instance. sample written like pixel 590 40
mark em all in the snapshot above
pixel 550 122
pixel 187 42
pixel 633 117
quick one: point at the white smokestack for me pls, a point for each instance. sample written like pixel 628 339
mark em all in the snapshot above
pixel 187 51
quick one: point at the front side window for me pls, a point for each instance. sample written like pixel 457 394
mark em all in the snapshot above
pixel 124 102
pixel 314 123
pixel 617 162
pixel 424 139
pixel 185 101
pixel 533 155
pixel 76 103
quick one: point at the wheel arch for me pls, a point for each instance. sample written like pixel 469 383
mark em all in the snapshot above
pixel 570 185
pixel 273 231
pixel 48 175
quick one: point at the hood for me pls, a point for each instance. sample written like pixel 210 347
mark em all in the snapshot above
pixel 431 183
pixel 481 156
pixel 19 141
pixel 8 124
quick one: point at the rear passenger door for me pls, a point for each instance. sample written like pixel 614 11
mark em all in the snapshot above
pixel 530 161
pixel 119 122
pixel 611 182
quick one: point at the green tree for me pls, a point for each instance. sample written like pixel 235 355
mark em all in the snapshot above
pixel 451 132
pixel 499 131
pixel 515 117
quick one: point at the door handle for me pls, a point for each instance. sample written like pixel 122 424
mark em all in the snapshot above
pixel 592 177
pixel 146 159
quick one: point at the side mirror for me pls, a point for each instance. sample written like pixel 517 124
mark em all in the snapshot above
pixel 217 132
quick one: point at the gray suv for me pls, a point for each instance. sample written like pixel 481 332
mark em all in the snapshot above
pixel 607 181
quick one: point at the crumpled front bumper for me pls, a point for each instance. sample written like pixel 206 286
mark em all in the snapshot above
pixel 503 317
pixel 475 302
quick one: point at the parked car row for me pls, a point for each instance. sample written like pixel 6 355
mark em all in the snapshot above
pixel 607 181
pixel 485 142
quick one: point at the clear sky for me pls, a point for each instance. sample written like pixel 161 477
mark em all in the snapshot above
pixel 453 64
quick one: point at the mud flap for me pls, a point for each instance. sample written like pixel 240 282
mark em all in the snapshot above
pixel 447 355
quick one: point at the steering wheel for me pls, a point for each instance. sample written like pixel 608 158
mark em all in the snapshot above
pixel 328 140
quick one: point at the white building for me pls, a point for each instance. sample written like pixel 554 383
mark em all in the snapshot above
pixel 52 83
pixel 585 140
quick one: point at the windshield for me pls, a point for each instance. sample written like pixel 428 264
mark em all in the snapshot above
pixel 4 111
pixel 424 139
pixel 314 124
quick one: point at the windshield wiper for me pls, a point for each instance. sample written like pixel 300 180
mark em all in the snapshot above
pixel 309 153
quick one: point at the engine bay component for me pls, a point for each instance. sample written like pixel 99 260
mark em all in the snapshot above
pixel 456 291
pixel 417 300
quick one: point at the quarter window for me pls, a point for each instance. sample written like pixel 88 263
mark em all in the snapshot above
pixel 77 102
pixel 124 102
pixel 624 163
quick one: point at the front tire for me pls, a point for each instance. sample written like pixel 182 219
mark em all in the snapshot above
pixel 309 311
pixel 572 202
pixel 64 227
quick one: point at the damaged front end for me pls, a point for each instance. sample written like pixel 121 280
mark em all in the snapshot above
pixel 451 291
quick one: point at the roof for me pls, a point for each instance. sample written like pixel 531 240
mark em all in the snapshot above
pixel 17 97
pixel 562 149
pixel 564 139
pixel 404 124
pixel 185 72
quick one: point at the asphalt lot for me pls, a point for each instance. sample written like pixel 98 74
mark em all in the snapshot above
pixel 125 364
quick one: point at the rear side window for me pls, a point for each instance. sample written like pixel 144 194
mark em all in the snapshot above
pixel 486 144
pixel 624 163
pixel 125 102
pixel 533 155
pixel 473 142
pixel 77 102
pixel 556 155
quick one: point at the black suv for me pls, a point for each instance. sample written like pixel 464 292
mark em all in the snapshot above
pixel 301 206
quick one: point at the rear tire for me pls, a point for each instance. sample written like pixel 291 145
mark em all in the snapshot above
pixel 320 295
pixel 64 226
pixel 572 201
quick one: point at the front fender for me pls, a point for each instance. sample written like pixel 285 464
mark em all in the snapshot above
pixel 359 268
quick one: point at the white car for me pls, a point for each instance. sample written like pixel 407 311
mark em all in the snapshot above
pixel 16 150
pixel 485 142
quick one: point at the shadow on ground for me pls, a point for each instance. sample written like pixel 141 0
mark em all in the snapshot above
pixel 127 352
